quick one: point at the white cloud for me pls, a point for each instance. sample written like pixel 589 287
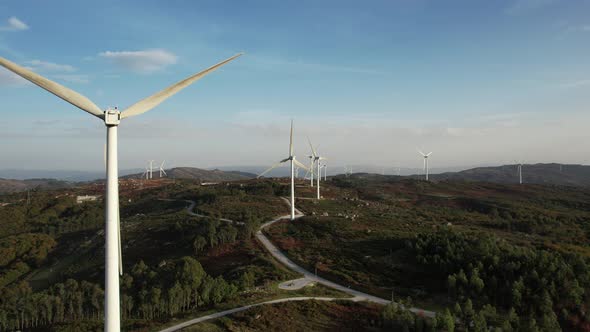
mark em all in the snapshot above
pixel 50 66
pixel 146 61
pixel 14 24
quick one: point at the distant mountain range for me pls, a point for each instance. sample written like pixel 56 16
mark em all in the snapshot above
pixel 11 185
pixel 66 175
pixel 203 175
pixel 556 174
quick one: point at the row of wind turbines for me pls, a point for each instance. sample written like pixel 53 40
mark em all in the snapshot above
pixel 149 170
pixel 314 162
pixel 112 118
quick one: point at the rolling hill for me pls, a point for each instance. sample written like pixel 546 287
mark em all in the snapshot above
pixel 11 185
pixel 200 174
pixel 554 174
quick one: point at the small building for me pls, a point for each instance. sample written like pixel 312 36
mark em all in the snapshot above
pixel 86 198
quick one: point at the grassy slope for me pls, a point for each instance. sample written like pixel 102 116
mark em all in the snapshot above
pixel 360 240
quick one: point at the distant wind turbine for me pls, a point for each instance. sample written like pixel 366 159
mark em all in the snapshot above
pixel 519 172
pixel 294 162
pixel 161 169
pixel 425 155
pixel 151 169
pixel 111 119
pixel 317 158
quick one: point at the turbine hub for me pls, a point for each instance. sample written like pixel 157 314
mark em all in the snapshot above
pixel 112 117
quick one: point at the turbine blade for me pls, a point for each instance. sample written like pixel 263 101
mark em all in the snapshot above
pixel 422 153
pixel 286 159
pixel 59 90
pixel 291 141
pixel 154 100
pixel 271 168
pixel 313 153
pixel 429 153
pixel 119 240
pixel 300 165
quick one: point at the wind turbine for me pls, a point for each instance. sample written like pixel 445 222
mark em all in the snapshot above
pixel 294 162
pixel 425 162
pixel 316 158
pixel 519 171
pixel 310 170
pixel 111 118
pixel 162 171
pixel 151 169
pixel 325 167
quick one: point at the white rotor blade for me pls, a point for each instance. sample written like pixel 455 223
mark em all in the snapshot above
pixel 291 141
pixel 119 240
pixel 272 167
pixel 428 154
pixel 422 153
pixel 312 149
pixel 154 100
pixel 59 90
pixel 300 165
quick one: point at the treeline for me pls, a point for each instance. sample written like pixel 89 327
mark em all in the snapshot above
pixel 146 293
pixel 540 287
pixel 21 253
pixel 51 214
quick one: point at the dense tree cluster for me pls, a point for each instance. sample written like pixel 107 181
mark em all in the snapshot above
pixel 540 285
pixel 146 292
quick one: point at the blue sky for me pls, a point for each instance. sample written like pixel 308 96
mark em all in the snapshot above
pixel 475 81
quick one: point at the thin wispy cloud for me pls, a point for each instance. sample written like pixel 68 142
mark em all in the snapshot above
pixel 8 78
pixel 575 84
pixel 144 62
pixel 14 24
pixel 287 64
pixel 72 78
pixel 519 7
pixel 50 66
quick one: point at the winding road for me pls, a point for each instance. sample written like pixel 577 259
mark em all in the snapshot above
pixel 307 276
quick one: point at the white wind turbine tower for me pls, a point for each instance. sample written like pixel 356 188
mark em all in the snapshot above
pixel 317 158
pixel 111 119
pixel 325 167
pixel 151 169
pixel 425 155
pixel 311 161
pixel 519 171
pixel 294 162
pixel 161 169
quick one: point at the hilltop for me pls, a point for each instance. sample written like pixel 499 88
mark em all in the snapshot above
pixel 555 174
pixel 11 185
pixel 203 175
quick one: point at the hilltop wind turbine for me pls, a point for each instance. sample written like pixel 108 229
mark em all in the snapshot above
pixel 294 162
pixel 310 170
pixel 151 169
pixel 111 119
pixel 325 167
pixel 316 159
pixel 425 155
pixel 519 172
pixel 161 169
